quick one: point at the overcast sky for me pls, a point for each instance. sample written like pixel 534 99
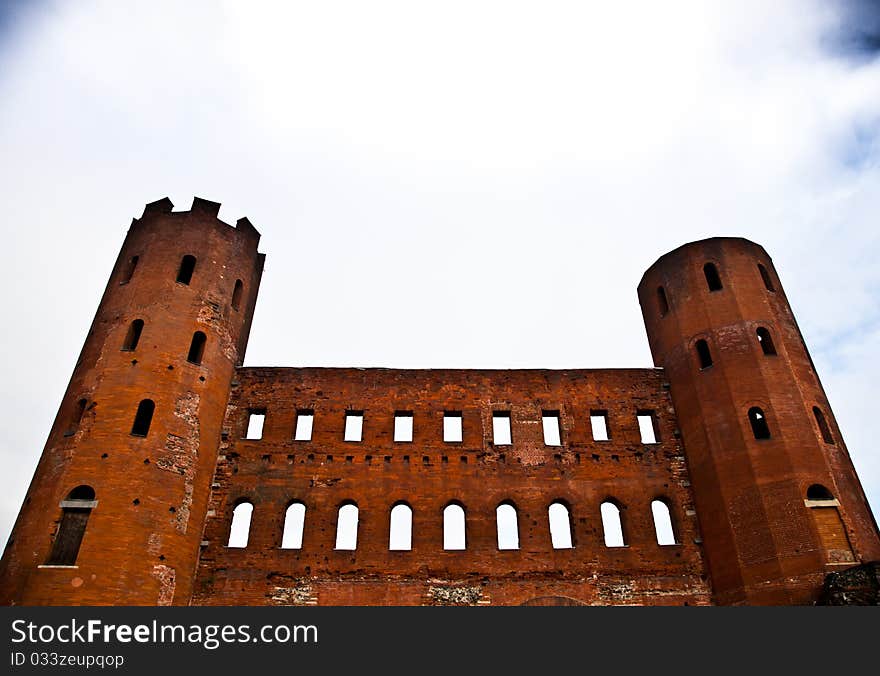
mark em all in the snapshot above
pixel 473 184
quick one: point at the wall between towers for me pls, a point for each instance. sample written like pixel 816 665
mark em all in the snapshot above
pixel 429 473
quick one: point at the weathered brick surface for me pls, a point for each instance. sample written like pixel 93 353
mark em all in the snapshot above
pixel 428 474
pixel 158 533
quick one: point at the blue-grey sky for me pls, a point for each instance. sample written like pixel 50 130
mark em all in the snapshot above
pixel 455 184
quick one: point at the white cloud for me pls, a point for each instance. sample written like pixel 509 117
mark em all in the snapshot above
pixel 477 184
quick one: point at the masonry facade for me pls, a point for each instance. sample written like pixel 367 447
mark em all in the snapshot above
pixel 717 477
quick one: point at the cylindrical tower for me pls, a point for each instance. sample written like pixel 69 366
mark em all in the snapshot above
pixel 115 511
pixel 777 498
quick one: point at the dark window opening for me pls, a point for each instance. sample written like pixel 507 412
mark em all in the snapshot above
pixel 133 335
pixel 827 437
pixel 143 418
pixel 197 348
pixel 704 354
pixel 76 418
pixel 76 509
pixel 713 279
pixel 129 270
pixel 187 267
pixel 766 342
pixel 819 492
pixel 759 423
pixel 236 294
pixel 765 276
pixel 661 301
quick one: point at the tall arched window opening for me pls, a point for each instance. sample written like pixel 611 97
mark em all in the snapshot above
pixel 560 526
pixel 612 526
pixel 454 527
pixel 294 525
pixel 400 535
pixel 240 528
pixel 507 526
pixel 347 527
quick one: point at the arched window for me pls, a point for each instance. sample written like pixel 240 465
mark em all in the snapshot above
pixel 400 537
pixel 75 511
pixel 560 525
pixel 453 527
pixel 819 492
pixel 187 267
pixel 827 437
pixel 129 270
pixel 662 303
pixel 143 418
pixel 758 421
pixel 703 354
pixel 347 527
pixel 765 341
pixel 765 277
pixel 611 525
pixel 294 523
pixel 196 348
pixel 662 523
pixel 713 279
pixel 507 526
pixel 829 525
pixel 240 528
pixel 133 335
pixel 236 294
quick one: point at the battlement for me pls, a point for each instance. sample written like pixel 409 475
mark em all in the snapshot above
pixel 201 207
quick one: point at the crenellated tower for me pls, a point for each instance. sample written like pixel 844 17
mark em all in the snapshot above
pixel 115 510
pixel 777 496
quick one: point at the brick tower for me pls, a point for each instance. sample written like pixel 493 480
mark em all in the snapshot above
pixel 134 445
pixel 778 500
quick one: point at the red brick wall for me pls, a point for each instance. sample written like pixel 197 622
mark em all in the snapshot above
pixel 326 471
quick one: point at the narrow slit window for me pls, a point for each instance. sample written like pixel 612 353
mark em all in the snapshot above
pixel 403 426
pixel 128 271
pixel 187 267
pixel 612 526
pixel 354 425
pixel 133 335
pixel 662 302
pixel 76 417
pixel 305 420
pixel 236 294
pixel 294 525
pixel 560 526
pixel 508 528
pixel 550 423
pixel 400 536
pixel 765 341
pixel 240 528
pixel 347 527
pixel 75 512
pixel 758 421
pixel 197 348
pixel 647 426
pixel 453 527
pixel 824 430
pixel 143 418
pixel 713 279
pixel 662 523
pixel 501 428
pixel 256 419
pixel 452 427
pixel 765 277
pixel 599 425
pixel 703 354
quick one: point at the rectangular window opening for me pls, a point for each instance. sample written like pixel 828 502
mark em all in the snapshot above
pixel 305 417
pixel 599 423
pixel 354 425
pixel 550 422
pixel 647 426
pixel 403 426
pixel 452 428
pixel 256 418
pixel 501 428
